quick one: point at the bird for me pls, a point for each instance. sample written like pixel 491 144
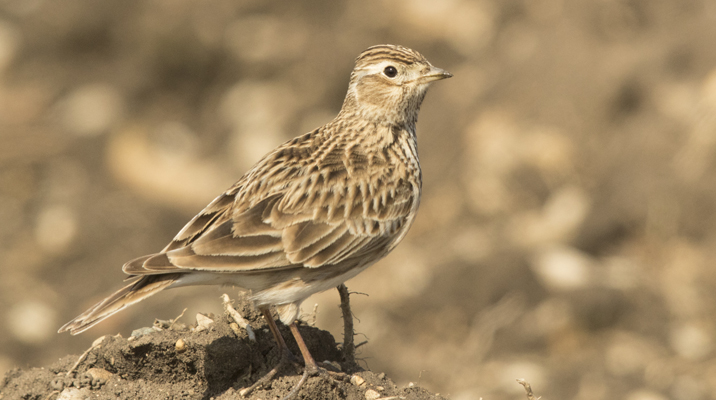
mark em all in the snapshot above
pixel 311 214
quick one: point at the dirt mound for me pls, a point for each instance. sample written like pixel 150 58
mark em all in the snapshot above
pixel 209 360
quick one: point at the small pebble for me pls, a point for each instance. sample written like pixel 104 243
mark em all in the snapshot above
pixel 142 331
pixel 235 327
pixel 333 364
pixel 85 380
pixel 99 340
pixel 381 375
pixel 357 380
pixel 180 346
pixel 371 394
pixel 74 394
pixel 162 323
pixel 203 322
pixel 57 384
pixel 99 375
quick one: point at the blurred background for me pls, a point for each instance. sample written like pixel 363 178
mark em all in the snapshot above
pixel 568 224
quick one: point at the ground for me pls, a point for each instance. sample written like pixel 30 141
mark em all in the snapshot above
pixel 177 361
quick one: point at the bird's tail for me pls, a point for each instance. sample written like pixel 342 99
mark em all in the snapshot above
pixel 138 290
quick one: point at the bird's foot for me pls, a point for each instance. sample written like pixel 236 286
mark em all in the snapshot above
pixel 287 358
pixel 314 370
pixel 309 371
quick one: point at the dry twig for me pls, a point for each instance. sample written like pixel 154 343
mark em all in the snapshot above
pixel 528 389
pixel 237 317
pixel 349 348
pixel 177 318
pixel 95 344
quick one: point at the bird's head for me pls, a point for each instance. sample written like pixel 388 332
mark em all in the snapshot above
pixel 388 84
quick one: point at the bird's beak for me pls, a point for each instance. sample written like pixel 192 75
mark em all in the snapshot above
pixel 435 74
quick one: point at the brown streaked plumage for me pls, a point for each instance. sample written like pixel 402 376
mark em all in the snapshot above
pixel 311 214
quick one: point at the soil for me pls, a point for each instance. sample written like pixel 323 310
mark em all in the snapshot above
pixel 176 361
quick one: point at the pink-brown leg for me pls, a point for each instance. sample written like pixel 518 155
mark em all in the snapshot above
pixel 285 355
pixel 311 368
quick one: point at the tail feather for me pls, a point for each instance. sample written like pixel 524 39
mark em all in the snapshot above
pixel 138 290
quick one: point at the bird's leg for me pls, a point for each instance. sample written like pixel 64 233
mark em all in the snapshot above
pixel 284 352
pixel 311 368
pixel 285 355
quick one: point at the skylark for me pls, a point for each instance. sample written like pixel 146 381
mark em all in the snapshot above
pixel 314 212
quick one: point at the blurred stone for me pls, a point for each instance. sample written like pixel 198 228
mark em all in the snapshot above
pixel 709 375
pixel 549 149
pixel 627 355
pixel 545 11
pixel 441 209
pixel 56 227
pixel 488 195
pixel 560 218
pixel 174 178
pixel 475 82
pixel 491 141
pixel 682 276
pixel 11 215
pixel 693 159
pixel 687 387
pixel 565 210
pixel 678 100
pixel 563 268
pixel 92 109
pixel 72 393
pixel 691 341
pixel 466 25
pixel 32 321
pixel 708 91
pixel 551 316
pixel 23 105
pixel 622 273
pixel 618 20
pixel 529 371
pixel 592 387
pixel 472 244
pixel 9 44
pixel 66 181
pixel 257 113
pixel 490 146
pixel 663 218
pixel 518 42
pixel 174 140
pixel 265 38
pixel 406 275
pixel 645 394
pixel 659 373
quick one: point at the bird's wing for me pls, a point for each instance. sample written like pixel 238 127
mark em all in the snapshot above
pixel 311 223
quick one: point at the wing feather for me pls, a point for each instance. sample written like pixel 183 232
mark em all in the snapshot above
pixel 283 219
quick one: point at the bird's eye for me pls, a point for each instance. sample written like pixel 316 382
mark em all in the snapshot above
pixel 390 71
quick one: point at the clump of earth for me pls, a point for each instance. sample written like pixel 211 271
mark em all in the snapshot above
pixel 210 359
